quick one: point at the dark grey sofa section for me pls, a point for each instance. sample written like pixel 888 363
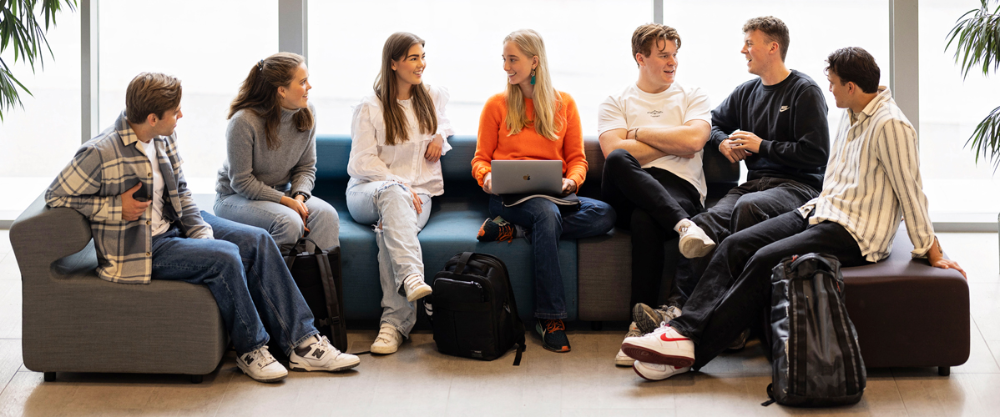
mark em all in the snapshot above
pixel 74 321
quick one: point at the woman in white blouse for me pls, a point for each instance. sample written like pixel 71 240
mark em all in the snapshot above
pixel 398 138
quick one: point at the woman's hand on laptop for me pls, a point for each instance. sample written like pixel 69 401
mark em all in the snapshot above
pixel 488 183
pixel 568 186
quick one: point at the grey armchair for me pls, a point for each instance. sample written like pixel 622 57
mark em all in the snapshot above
pixel 77 322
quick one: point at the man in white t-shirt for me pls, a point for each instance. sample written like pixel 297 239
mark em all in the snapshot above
pixel 652 135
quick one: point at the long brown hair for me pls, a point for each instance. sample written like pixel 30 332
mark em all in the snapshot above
pixel 386 90
pixel 547 101
pixel 259 94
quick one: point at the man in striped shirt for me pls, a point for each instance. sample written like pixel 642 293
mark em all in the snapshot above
pixel 872 182
pixel 128 183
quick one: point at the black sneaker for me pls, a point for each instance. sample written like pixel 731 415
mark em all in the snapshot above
pixel 496 229
pixel 740 342
pixel 553 334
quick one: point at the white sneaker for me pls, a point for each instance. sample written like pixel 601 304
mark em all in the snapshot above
pixel 321 356
pixel 663 346
pixel 656 372
pixel 621 359
pixel 388 340
pixel 261 366
pixel 416 288
pixel 693 243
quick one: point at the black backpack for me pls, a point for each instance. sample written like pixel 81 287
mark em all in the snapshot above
pixel 472 309
pixel 318 276
pixel 814 347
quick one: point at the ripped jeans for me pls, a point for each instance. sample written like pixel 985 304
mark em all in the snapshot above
pixel 388 206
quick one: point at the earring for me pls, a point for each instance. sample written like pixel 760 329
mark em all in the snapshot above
pixel 532 77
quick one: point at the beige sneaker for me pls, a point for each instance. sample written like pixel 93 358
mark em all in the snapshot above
pixel 415 288
pixel 388 340
pixel 693 242
pixel 621 359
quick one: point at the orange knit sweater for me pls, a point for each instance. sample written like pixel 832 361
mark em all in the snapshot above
pixel 495 142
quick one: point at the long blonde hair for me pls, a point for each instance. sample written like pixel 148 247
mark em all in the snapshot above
pixel 393 116
pixel 547 101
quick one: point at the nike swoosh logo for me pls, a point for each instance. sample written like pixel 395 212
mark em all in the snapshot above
pixel 664 338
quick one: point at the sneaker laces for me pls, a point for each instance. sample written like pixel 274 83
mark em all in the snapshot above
pixel 554 325
pixel 262 356
pixel 386 334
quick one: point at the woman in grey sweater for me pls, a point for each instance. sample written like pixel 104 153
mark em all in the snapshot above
pixel 270 169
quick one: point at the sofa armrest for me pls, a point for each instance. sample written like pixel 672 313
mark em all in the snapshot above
pixel 42 235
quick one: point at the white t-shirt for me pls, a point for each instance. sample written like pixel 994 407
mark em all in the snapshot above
pixel 159 225
pixel 673 107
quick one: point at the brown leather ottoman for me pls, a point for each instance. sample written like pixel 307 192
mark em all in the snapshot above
pixel 908 313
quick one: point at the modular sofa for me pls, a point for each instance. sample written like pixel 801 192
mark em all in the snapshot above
pixel 887 301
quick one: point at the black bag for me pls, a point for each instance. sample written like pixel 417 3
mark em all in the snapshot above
pixel 317 274
pixel 472 309
pixel 816 358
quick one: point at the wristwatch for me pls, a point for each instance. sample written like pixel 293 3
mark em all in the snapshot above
pixel 305 197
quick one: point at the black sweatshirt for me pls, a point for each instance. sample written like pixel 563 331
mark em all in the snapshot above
pixel 790 117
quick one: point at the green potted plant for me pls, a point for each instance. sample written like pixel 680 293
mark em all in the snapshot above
pixel 21 30
pixel 976 36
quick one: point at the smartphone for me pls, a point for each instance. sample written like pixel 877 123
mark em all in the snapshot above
pixel 142 194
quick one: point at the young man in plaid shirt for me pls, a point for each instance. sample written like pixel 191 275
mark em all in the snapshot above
pixel 128 182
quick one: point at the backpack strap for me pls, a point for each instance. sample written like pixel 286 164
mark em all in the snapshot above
pixel 463 260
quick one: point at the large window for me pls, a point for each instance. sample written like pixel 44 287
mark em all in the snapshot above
pixel 588 44
pixel 712 34
pixel 950 108
pixel 37 141
pixel 210 45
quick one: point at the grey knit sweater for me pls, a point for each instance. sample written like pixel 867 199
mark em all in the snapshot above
pixel 258 173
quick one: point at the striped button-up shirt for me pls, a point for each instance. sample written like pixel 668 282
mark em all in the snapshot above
pixel 872 181
pixel 104 168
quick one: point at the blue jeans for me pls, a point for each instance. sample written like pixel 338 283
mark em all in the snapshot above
pixel 248 278
pixel 547 224
pixel 284 224
pixel 389 207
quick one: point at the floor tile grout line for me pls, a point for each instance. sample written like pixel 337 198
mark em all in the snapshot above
pixel 992 356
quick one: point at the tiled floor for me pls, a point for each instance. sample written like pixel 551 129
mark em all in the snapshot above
pixel 419 381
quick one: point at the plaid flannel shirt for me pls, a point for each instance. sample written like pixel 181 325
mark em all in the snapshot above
pixel 104 168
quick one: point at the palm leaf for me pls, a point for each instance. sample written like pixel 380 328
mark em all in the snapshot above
pixel 22 31
pixel 976 36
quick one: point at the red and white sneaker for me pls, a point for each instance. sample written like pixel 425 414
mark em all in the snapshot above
pixel 656 372
pixel 663 346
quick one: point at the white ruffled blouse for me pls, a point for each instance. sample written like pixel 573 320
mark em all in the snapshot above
pixel 374 160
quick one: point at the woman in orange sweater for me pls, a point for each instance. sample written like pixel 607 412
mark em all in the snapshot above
pixel 531 120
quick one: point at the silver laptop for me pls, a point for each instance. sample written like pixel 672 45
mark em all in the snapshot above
pixel 527 177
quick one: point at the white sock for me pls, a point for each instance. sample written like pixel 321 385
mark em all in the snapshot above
pixel 308 341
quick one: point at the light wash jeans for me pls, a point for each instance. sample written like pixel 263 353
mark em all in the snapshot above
pixel 247 277
pixel 284 224
pixel 388 206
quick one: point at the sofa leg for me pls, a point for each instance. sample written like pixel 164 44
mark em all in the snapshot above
pixel 596 325
pixel 197 379
pixel 944 370
pixel 50 377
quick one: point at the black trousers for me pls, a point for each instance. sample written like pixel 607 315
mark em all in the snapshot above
pixel 735 291
pixel 649 202
pixel 746 205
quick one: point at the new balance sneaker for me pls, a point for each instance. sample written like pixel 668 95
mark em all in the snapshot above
pixel 321 356
pixel 649 319
pixel 663 346
pixel 496 229
pixel 656 372
pixel 261 366
pixel 416 288
pixel 693 243
pixel 388 340
pixel 553 334
pixel 621 359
